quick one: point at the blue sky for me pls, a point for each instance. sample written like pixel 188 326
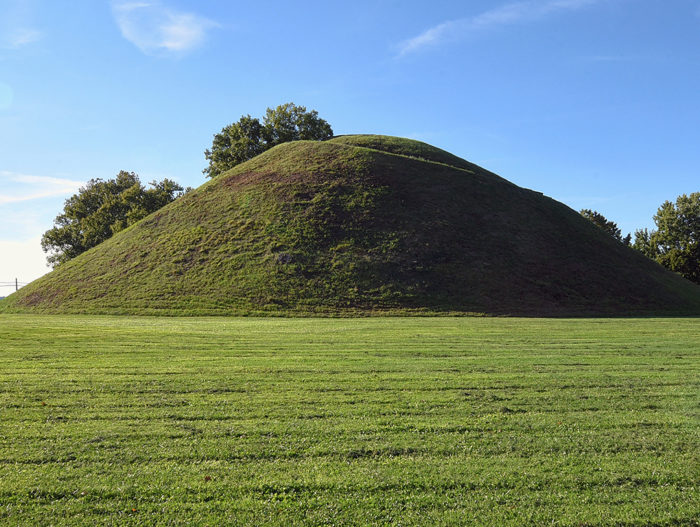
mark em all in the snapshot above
pixel 595 103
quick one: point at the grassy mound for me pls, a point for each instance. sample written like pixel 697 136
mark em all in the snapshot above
pixel 361 225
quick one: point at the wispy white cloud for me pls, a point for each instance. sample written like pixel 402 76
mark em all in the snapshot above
pixel 16 188
pixel 155 28
pixel 17 24
pixel 507 14
pixel 19 37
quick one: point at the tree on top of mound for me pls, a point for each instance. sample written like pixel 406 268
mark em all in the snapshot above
pixel 101 209
pixel 248 137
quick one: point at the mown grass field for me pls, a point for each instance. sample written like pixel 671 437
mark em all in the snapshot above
pixel 384 421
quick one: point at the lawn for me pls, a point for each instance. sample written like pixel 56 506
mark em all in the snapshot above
pixel 381 421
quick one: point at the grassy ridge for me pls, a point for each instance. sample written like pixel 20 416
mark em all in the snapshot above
pixel 360 225
pixel 411 149
pixel 143 421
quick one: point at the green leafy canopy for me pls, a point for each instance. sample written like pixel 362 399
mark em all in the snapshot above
pixel 101 209
pixel 676 242
pixel 247 138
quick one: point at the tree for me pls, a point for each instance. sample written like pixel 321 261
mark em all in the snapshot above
pixel 248 138
pixel 676 242
pixel 608 226
pixel 236 143
pixel 101 209
pixel 289 122
pixel 642 242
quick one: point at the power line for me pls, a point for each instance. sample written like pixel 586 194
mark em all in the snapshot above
pixel 16 284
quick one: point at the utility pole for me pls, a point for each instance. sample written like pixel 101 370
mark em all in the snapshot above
pixel 16 285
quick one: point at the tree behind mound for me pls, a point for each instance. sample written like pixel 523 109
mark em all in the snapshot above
pixel 247 138
pixel 101 209
pixel 603 223
pixel 676 243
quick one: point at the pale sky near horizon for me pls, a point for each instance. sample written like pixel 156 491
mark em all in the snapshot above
pixel 595 103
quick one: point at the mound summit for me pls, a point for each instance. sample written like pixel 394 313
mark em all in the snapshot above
pixel 360 225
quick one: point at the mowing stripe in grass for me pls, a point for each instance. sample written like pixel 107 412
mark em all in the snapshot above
pixel 445 421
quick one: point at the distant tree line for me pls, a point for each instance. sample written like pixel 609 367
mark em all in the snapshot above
pixel 675 243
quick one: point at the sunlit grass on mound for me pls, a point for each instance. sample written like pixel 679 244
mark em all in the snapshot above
pixel 360 225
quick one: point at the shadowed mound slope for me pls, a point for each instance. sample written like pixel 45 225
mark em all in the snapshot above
pixel 361 224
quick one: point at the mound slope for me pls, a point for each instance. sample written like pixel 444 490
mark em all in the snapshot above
pixel 361 225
